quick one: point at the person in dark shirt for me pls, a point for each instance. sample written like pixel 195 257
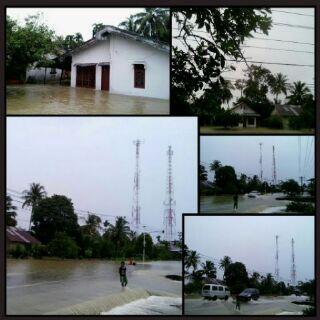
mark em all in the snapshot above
pixel 237 302
pixel 123 274
pixel 235 202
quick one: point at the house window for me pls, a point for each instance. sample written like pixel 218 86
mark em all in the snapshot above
pixel 53 71
pixel 139 76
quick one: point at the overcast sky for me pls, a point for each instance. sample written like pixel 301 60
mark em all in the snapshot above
pixel 251 240
pixel 92 160
pixel 304 18
pixel 243 153
pixel 71 20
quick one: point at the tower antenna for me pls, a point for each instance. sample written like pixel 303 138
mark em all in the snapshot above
pixel 274 168
pixel 135 216
pixel 277 260
pixel 169 212
pixel 260 161
pixel 293 264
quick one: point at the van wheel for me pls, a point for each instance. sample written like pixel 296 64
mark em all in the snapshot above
pixel 226 298
pixel 214 298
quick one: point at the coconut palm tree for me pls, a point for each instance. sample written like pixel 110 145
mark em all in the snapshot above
pixel 32 197
pixel 225 91
pixel 192 260
pixel 119 232
pixel 224 263
pixel 216 164
pixel 129 24
pixel 278 84
pixel 299 92
pixel 92 225
pixel 209 269
pixel 154 23
pixel 240 84
pixel 10 213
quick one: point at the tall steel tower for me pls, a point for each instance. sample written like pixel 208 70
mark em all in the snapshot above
pixel 260 161
pixel 277 260
pixel 293 264
pixel 274 170
pixel 169 212
pixel 135 216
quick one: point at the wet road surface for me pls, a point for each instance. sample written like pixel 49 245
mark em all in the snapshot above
pixel 42 286
pixel 55 99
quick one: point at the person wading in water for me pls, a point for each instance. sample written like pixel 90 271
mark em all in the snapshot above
pixel 237 302
pixel 235 202
pixel 123 274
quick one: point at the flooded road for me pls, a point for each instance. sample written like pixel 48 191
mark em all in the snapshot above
pixel 55 99
pixel 281 305
pixel 224 204
pixel 47 286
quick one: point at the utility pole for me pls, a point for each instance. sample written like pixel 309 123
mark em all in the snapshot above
pixel 144 245
pixel 260 161
pixel 293 264
pixel 277 260
pixel 169 212
pixel 274 172
pixel 135 216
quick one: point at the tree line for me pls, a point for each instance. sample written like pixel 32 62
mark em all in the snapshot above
pixel 54 222
pixel 236 277
pixel 35 42
pixel 198 87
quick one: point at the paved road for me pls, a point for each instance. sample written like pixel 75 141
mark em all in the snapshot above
pixel 263 306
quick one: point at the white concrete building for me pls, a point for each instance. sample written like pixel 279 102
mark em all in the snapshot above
pixel 122 62
pixel 248 117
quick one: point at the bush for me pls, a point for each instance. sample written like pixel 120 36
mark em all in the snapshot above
pixel 38 251
pixel 273 122
pixel 193 287
pixel 63 246
pixel 300 207
pixel 309 311
pixel 227 119
pixel 18 251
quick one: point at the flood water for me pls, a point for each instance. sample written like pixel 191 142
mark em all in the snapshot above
pixel 55 99
pixel 45 286
pixel 224 204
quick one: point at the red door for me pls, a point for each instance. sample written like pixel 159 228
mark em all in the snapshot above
pixel 86 76
pixel 105 75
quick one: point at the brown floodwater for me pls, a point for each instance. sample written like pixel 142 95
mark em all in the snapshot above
pixel 55 99
pixel 47 286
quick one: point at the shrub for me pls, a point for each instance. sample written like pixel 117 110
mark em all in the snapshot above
pixel 193 287
pixel 63 246
pixel 38 251
pixel 273 122
pixel 300 207
pixel 18 251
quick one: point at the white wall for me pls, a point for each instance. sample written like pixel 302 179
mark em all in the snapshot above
pixel 99 52
pixel 122 54
pixel 39 73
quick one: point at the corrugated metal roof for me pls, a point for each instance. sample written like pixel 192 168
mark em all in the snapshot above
pixel 21 236
pixel 287 110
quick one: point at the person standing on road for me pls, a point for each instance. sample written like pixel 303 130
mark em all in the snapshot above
pixel 235 202
pixel 123 274
pixel 237 302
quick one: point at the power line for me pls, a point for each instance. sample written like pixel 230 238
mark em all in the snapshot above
pixel 274 63
pixel 296 13
pixel 277 49
pixel 298 26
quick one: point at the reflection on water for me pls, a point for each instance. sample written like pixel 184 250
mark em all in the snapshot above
pixel 55 99
pixel 40 286
pixel 224 204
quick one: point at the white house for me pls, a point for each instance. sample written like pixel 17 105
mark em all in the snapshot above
pixel 122 62
pixel 247 115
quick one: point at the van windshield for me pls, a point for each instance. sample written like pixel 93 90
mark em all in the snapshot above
pixel 206 287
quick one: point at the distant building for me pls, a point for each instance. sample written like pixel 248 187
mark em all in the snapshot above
pixel 122 62
pixel 17 236
pixel 248 117
pixel 286 111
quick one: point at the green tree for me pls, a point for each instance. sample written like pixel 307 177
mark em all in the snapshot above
pixel 278 84
pixel 96 27
pixel 299 93
pixel 203 173
pixel 240 84
pixel 236 277
pixel 32 197
pixel 10 213
pixel 26 45
pixel 199 60
pixel 215 165
pixel 226 180
pixel 52 215
pixel 224 263
pixel 290 187
pixel 209 269
pixel 63 246
pixel 119 233
pixel 192 260
pixel 148 245
pixel 154 23
pixel 129 24
pixel 92 225
pixel 254 280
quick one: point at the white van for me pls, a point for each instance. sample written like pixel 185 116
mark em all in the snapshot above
pixel 215 291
